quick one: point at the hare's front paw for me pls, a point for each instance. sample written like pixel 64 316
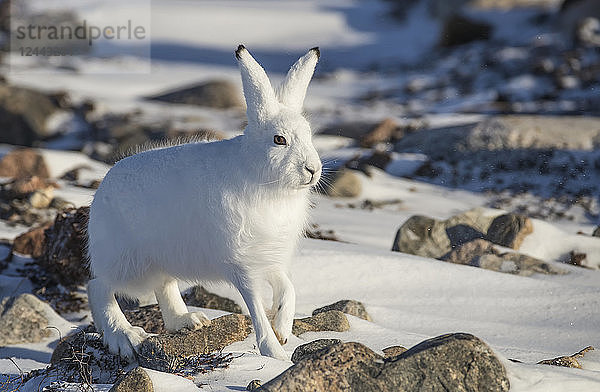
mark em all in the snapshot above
pixel 124 341
pixel 191 320
pixel 282 326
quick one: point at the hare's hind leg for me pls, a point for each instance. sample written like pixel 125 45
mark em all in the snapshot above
pixel 284 305
pixel 119 335
pixel 174 311
pixel 265 336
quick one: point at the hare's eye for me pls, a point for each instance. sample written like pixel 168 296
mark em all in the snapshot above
pixel 280 140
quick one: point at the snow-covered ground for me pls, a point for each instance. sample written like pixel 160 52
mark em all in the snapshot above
pixel 409 298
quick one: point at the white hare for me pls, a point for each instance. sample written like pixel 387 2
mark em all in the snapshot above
pixel 231 210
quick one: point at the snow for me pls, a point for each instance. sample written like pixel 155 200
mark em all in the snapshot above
pixel 410 298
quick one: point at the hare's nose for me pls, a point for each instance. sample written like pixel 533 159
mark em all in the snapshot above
pixel 311 170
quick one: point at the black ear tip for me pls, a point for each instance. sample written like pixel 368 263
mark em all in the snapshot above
pixel 317 51
pixel 239 50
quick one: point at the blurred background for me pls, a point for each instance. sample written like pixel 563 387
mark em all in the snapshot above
pixel 497 97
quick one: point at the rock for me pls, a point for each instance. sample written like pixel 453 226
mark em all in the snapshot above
pixel 340 367
pixel 64 256
pixel 332 320
pixel 22 188
pixel 576 258
pixel 568 360
pixel 343 183
pixel 218 94
pixel 515 263
pixel 82 356
pixel 23 163
pixel 459 29
pixel 483 254
pixel 148 317
pixel 42 198
pixel 393 351
pixel 385 131
pixel 509 230
pixel 309 349
pixel 505 136
pixel 22 320
pixel 367 134
pixel 379 159
pixel 469 252
pixel 454 362
pixel 32 242
pixel 422 236
pixel 348 306
pixel 200 297
pixel 24 114
pixel 136 380
pixel 61 204
pixel 477 218
pixel 253 385
pixel 596 232
pixel 163 352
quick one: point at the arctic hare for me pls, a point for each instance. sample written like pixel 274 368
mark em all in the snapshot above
pixel 231 210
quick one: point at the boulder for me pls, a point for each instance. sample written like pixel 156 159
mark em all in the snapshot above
pixel 343 183
pixel 596 232
pixel 454 362
pixel 22 320
pixel 217 94
pixel 367 134
pixel 22 164
pixel 422 236
pixel 509 230
pixel 202 298
pixel 393 351
pixel 309 349
pixel 517 264
pixel 32 242
pixel 331 320
pixel 253 385
pixel 567 360
pixel 148 317
pixel 167 351
pixel 459 29
pixel 348 306
pixel 42 198
pixel 23 187
pixel 469 252
pixel 24 114
pixel 135 380
pixel 64 256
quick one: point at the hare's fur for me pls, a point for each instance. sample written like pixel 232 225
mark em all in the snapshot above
pixel 231 210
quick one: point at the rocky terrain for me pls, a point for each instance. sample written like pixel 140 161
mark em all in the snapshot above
pixel 453 241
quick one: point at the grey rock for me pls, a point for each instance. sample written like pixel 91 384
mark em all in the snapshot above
pixel 148 317
pixel 504 135
pixel 310 349
pixel 343 183
pixel 136 380
pixel 253 385
pixel 477 218
pixel 517 264
pixel 22 320
pixel 469 252
pixel 348 306
pixel 393 351
pixel 596 232
pixel 166 351
pixel 509 230
pixel 332 320
pixel 454 362
pixel 64 256
pixel 24 114
pixel 571 361
pixel 459 29
pixel 422 236
pixel 218 94
pixel 202 298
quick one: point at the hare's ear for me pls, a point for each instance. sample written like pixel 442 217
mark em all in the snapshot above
pixel 292 91
pixel 260 97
